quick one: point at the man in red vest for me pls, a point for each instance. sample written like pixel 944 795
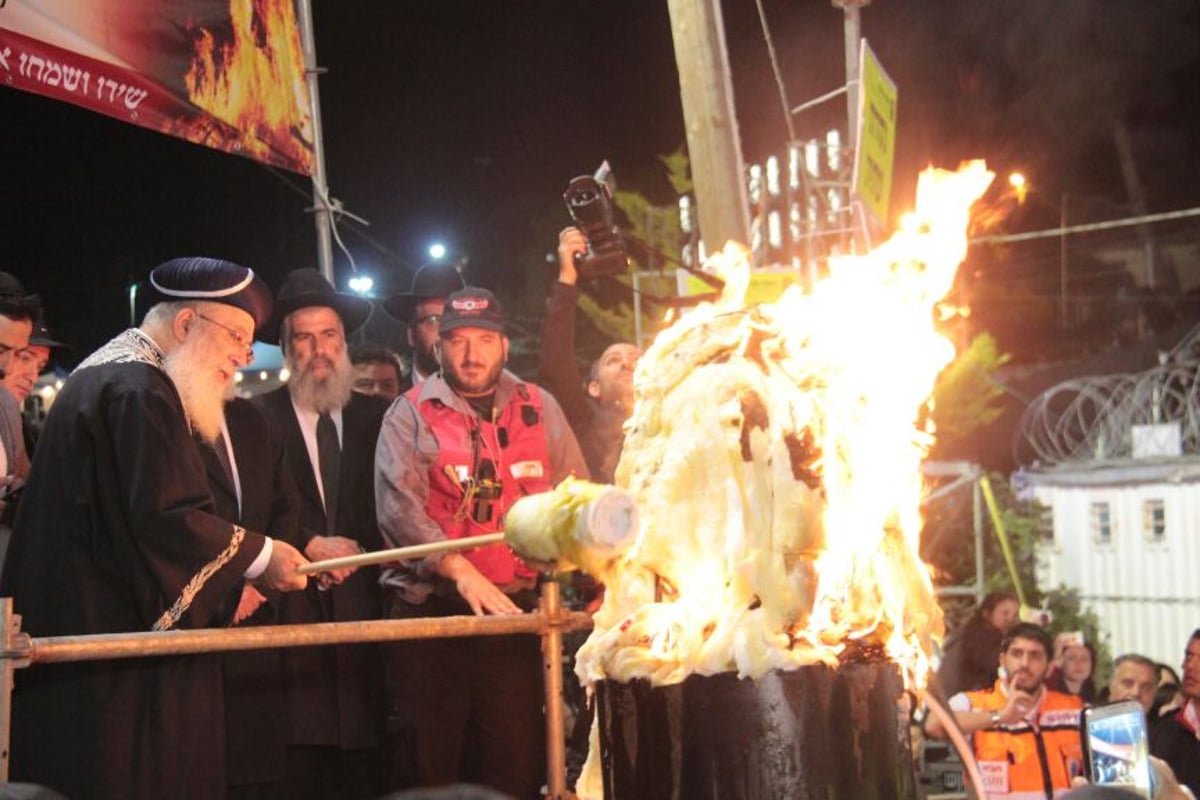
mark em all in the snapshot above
pixel 1026 737
pixel 455 452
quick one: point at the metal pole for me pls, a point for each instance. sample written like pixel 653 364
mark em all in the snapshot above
pixel 1062 264
pixel 322 215
pixel 9 628
pixel 135 645
pixel 852 29
pixel 552 661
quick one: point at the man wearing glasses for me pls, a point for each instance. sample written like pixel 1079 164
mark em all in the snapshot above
pixel 421 311
pixel 117 532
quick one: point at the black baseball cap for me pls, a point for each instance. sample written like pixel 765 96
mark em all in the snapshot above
pixel 472 307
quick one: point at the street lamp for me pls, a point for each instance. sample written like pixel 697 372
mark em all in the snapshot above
pixel 361 284
pixel 437 251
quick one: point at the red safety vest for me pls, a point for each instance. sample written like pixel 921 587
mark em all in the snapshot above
pixel 515 443
pixel 1023 762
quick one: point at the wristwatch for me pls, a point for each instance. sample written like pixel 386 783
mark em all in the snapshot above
pixel 995 720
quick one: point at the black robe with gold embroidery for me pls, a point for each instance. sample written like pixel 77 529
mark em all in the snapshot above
pixel 116 533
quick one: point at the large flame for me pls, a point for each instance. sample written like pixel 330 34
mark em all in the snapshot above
pixel 253 82
pixel 775 459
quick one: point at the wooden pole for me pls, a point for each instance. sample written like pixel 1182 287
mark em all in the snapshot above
pixel 714 147
pixel 401 553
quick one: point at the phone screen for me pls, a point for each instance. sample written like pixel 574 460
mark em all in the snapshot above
pixel 1118 748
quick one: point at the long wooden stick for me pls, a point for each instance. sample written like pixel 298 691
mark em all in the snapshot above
pixel 401 553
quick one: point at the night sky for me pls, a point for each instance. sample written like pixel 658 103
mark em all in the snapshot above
pixel 462 121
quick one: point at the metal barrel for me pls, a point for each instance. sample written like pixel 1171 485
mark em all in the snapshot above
pixel 809 733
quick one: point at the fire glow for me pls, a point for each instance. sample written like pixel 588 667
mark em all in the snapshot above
pixel 253 82
pixel 774 457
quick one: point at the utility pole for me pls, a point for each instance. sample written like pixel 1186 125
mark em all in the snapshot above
pixel 852 31
pixel 714 147
pixel 322 214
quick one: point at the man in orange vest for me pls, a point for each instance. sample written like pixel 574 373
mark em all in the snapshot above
pixel 1026 737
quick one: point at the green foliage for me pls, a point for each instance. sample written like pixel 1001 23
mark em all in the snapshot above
pixel 948 547
pixel 966 398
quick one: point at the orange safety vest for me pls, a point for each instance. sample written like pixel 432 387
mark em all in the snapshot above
pixel 1029 762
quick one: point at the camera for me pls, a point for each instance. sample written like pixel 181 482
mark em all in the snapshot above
pixel 590 203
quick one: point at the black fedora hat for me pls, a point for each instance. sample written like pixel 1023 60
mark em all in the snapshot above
pixel 430 281
pixel 305 288
pixel 41 336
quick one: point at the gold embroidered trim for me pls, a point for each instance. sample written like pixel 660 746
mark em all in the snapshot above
pixel 172 615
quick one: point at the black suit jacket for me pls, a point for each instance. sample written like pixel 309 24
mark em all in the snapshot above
pixel 335 695
pixel 254 699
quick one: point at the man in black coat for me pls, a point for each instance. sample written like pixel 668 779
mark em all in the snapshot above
pixel 420 309
pixel 334 694
pixel 252 486
pixel 117 532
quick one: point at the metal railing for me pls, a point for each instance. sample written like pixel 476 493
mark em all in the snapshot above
pixel 20 650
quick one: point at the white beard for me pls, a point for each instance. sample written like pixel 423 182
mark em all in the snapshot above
pixel 326 394
pixel 203 396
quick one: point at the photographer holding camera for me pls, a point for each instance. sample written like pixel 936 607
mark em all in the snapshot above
pixel 454 453
pixel 598 409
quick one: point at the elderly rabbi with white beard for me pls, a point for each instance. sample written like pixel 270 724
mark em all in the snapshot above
pixel 116 532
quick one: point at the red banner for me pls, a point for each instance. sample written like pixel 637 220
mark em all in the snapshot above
pixel 227 74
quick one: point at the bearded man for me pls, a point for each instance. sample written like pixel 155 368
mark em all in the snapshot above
pixel 455 452
pixel 1026 736
pixel 335 697
pixel 116 532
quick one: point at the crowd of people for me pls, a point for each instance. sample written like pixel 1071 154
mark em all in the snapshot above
pixel 1020 697
pixel 158 500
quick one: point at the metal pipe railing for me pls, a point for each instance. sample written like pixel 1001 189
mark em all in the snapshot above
pixel 20 650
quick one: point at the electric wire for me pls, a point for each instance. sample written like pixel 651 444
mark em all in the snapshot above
pixel 787 114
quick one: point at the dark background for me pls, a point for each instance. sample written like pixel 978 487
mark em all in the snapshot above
pixel 462 120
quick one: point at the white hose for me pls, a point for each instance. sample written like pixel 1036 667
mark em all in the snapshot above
pixel 960 742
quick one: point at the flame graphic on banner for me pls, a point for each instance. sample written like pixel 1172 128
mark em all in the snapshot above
pixel 252 84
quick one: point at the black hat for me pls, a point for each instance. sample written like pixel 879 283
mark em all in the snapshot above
pixel 15 302
pixel 431 280
pixel 211 280
pixel 304 288
pixel 41 336
pixel 472 307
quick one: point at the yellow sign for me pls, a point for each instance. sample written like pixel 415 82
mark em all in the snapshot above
pixel 766 285
pixel 876 135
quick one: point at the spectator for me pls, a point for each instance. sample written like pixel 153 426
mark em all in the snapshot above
pixel 116 532
pixel 377 370
pixel 1167 698
pixel 1025 736
pixel 1175 736
pixel 597 411
pixel 421 310
pixel 1134 678
pixel 969 658
pixel 17 312
pixel 27 366
pixel 455 453
pixel 335 697
pixel 251 486
pixel 1075 675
